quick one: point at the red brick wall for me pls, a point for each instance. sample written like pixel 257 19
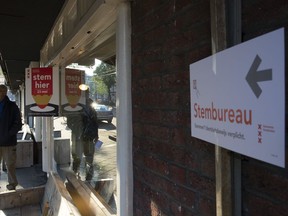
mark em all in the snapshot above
pixel 174 173
pixel 265 187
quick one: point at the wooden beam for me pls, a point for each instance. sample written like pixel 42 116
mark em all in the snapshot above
pixel 85 199
pixel 223 164
pixel 57 199
pixel 21 197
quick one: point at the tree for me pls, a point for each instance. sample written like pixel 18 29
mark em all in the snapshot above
pixel 105 74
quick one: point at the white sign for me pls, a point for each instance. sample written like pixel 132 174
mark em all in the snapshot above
pixel 72 98
pixel 238 98
pixel 42 91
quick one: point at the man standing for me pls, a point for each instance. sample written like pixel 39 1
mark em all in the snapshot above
pixel 84 128
pixel 10 124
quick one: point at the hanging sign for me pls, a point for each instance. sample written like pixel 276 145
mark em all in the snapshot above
pixel 42 91
pixel 72 98
pixel 238 98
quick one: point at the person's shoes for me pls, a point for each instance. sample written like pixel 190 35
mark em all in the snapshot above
pixel 10 187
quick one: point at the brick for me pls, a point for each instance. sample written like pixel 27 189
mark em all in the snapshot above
pixel 180 136
pixel 157 132
pixel 255 205
pixel 198 13
pixel 177 209
pixel 176 63
pixel 156 36
pixel 176 80
pixel 177 174
pixel 266 182
pixel 175 118
pixel 174 172
pixel 173 154
pixel 191 161
pixel 185 196
pixel 156 165
pixel 207 207
pixel 201 184
pixel 155 64
pixel 160 204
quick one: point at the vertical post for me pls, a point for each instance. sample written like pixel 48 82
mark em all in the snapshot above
pixel 123 112
pixel 223 165
pixel 38 128
pixel 37 122
pixel 45 147
pixel 48 145
pixel 234 37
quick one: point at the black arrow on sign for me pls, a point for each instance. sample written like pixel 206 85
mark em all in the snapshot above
pixel 253 76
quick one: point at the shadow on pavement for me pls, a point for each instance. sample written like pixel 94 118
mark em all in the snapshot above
pixel 106 126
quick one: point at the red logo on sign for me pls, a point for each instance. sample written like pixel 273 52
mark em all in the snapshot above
pixel 42 85
pixel 72 81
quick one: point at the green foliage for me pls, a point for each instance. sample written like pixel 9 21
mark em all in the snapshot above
pixel 101 88
pixel 105 78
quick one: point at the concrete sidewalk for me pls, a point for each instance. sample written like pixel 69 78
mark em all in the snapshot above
pixel 27 177
pixel 104 167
